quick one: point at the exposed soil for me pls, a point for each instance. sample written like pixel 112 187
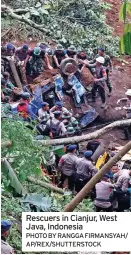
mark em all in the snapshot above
pixel 113 16
pixel 120 77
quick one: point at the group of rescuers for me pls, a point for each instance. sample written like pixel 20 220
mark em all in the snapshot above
pixel 31 63
pixel 112 189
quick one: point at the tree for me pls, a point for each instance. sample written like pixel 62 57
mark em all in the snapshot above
pixel 81 23
pixel 87 137
pixel 125 41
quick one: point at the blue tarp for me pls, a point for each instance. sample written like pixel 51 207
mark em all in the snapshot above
pixel 88 117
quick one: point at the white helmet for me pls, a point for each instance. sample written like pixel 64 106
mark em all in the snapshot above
pixel 128 92
pixel 100 60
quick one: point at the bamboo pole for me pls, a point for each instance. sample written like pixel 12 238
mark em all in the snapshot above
pixel 15 183
pixel 83 193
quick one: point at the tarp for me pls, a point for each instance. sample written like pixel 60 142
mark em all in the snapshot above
pixel 88 117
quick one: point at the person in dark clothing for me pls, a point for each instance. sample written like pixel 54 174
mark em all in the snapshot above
pixel 99 81
pixel 108 66
pixel 10 49
pixel 71 52
pixel 58 56
pixel 5 247
pixel 122 179
pixel 36 59
pixel 84 170
pixel 67 167
pixel 22 52
pixel 82 58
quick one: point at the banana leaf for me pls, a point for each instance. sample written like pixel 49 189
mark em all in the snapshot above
pixel 124 10
pixel 11 176
pixel 41 203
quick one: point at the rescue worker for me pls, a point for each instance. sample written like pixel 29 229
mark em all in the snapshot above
pixel 44 116
pixel 59 107
pixel 82 58
pixel 85 170
pixel 24 107
pixel 70 131
pixel 22 52
pixel 127 100
pixel 71 52
pixel 103 192
pixel 122 179
pixel 7 87
pixel 58 56
pixel 18 59
pixel 10 49
pixel 43 112
pixel 5 247
pixel 36 59
pixel 99 81
pixel 107 64
pixel 67 167
pixel 7 53
pixel 55 126
pixel 69 120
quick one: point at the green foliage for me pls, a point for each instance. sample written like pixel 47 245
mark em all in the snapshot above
pixel 124 10
pixel 12 210
pixel 125 40
pixel 81 23
pixel 24 154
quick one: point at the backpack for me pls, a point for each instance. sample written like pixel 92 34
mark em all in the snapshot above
pixel 22 109
pixel 55 129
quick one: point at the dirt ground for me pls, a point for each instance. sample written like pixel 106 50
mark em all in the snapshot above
pixel 120 77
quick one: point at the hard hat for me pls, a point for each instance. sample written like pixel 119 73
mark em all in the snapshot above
pixel 37 51
pixel 101 60
pixel 128 92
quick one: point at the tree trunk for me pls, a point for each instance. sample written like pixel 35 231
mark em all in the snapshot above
pixel 15 74
pixel 6 144
pixel 21 18
pixel 83 193
pixel 90 136
pixel 14 182
pixel 45 185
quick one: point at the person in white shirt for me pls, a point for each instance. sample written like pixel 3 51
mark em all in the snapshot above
pixel 43 112
pixel 103 192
